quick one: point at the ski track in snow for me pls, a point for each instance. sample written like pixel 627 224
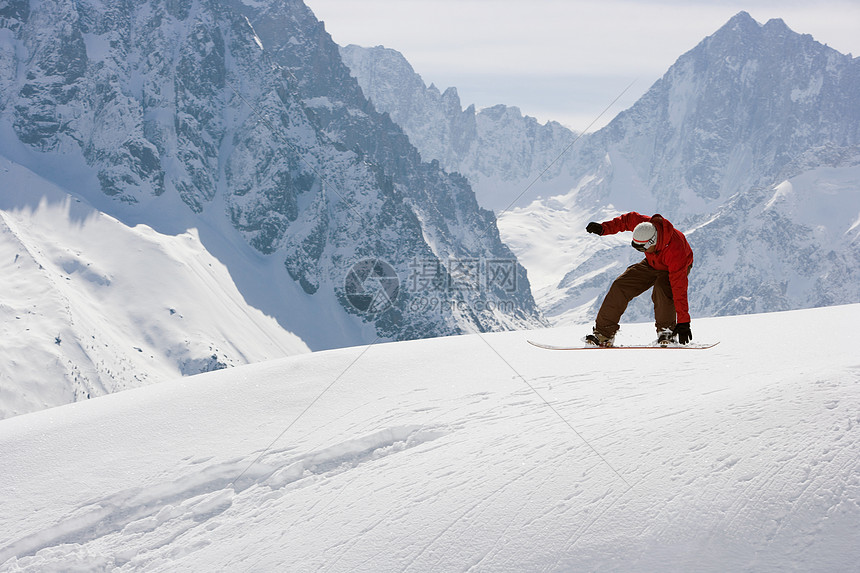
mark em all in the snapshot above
pixel 179 505
pixel 436 456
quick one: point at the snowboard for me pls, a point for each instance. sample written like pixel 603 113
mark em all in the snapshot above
pixel 690 346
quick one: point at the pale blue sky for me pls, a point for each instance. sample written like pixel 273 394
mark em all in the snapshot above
pixel 562 59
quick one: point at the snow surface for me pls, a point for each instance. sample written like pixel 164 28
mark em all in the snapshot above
pixel 471 453
pixel 826 199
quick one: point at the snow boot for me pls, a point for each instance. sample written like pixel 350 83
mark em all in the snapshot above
pixel 666 337
pixel 597 339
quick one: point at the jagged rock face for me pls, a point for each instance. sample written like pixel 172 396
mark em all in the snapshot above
pixel 249 109
pixel 740 143
pixel 420 213
pixel 434 121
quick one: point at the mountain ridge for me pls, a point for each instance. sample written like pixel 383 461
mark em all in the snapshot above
pixel 750 108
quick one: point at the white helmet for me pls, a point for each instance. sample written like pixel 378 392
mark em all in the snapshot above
pixel 644 236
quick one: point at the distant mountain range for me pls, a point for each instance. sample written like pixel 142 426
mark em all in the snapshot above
pixel 499 150
pixel 750 143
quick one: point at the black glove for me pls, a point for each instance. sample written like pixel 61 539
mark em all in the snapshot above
pixel 683 332
pixel 595 228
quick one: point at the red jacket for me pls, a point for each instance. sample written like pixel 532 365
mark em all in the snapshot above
pixel 673 254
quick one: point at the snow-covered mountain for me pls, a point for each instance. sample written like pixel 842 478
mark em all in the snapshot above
pixel 750 143
pixel 500 151
pixel 499 457
pixel 238 124
pixel 90 305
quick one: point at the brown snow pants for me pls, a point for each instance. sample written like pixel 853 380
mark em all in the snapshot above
pixel 634 281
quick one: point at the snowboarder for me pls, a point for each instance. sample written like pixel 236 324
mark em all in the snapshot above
pixel 668 260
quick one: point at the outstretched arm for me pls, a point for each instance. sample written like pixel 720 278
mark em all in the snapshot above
pixel 625 222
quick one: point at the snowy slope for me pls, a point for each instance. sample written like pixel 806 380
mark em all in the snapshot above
pixel 476 453
pixel 90 305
